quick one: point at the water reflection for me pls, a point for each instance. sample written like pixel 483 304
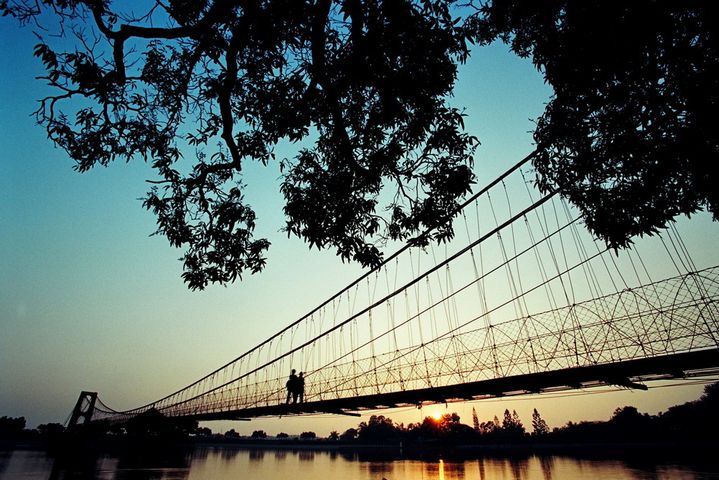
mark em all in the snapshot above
pixel 228 454
pixel 257 455
pixel 80 467
pixel 217 463
pixel 306 455
pixel 164 464
pixel 379 469
pixel 519 468
pixel 547 464
pixel 4 460
pixel 445 470
pixel 482 474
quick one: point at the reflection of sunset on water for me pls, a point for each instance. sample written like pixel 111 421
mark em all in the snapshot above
pixel 214 463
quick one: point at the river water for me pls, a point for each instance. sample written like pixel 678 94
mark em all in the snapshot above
pixel 231 463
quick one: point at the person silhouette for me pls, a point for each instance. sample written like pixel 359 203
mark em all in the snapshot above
pixel 292 387
pixel 301 387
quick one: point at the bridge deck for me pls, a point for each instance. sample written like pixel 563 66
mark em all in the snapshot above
pixel 623 373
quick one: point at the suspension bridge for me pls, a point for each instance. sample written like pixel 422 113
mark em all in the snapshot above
pixel 521 300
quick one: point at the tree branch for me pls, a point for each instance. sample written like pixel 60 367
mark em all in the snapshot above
pixel 127 31
pixel 224 100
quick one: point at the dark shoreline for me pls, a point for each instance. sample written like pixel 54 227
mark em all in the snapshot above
pixel 664 450
pixel 661 452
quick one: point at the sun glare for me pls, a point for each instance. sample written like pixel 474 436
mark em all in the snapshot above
pixel 437 415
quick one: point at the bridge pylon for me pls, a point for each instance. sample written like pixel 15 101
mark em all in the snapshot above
pixel 84 408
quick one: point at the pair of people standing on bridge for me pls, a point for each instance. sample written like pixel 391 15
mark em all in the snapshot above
pixel 296 387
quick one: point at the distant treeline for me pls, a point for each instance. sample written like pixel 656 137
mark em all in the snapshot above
pixel 696 421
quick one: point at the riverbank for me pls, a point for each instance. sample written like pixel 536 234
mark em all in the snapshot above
pixel 680 451
pixel 433 450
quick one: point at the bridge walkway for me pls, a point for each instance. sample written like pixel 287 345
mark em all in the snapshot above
pixel 626 374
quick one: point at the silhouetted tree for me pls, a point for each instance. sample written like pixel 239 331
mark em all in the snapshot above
pixel 629 134
pixel 539 426
pixel 626 415
pixel 448 421
pixel 308 435
pixel 231 433
pixel 451 426
pixel 429 427
pixel 711 394
pixel 334 435
pixel 282 435
pixel 511 424
pixel 11 426
pixel 349 434
pixel 489 427
pixel 152 422
pixel 696 420
pixel 51 429
pixel 378 427
pixel 364 85
pixel 447 427
pixel 627 422
pixel 185 426
pixel 582 432
pixel 259 434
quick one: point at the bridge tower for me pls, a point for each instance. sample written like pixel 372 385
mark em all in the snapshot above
pixel 84 408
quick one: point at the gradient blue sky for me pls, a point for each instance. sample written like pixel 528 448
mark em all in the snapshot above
pixel 90 301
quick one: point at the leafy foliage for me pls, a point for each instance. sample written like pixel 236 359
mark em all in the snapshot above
pixel 628 136
pixel 362 84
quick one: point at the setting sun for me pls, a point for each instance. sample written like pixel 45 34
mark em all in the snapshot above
pixel 437 415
